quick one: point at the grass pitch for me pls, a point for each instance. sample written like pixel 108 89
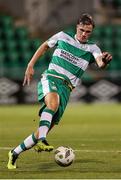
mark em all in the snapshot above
pixel 93 131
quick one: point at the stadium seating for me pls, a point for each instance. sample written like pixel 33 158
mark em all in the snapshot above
pixel 6 22
pixel 108 37
pixel 21 33
pixel 17 48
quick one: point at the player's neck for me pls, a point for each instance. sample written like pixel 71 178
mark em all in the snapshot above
pixel 78 40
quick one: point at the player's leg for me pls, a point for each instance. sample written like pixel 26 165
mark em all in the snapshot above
pixel 52 103
pixel 28 143
pixel 54 108
pixel 48 94
pixel 46 116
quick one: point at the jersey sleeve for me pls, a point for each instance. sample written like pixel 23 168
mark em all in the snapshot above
pixel 52 41
pixel 96 51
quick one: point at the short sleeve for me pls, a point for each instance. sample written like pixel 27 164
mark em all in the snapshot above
pixel 96 51
pixel 52 41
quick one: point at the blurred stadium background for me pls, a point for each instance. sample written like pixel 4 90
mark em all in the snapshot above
pixel 93 130
pixel 25 24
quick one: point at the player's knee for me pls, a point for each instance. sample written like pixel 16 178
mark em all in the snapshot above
pixel 53 105
pixel 52 102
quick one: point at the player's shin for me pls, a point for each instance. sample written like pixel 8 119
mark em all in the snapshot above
pixel 44 126
pixel 45 123
pixel 28 143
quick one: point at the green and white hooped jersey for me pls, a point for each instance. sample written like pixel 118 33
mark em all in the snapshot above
pixel 71 58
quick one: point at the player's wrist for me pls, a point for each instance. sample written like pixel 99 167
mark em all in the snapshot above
pixel 30 64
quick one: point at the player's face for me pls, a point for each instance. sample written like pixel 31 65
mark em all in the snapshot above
pixel 83 32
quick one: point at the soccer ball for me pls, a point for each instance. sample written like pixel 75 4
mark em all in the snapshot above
pixel 64 156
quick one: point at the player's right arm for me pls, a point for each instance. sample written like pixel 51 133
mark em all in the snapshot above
pixel 40 51
pixel 30 68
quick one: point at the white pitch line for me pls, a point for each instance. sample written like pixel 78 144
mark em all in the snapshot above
pixel 97 151
pixel 5 148
pixel 78 150
pixel 90 140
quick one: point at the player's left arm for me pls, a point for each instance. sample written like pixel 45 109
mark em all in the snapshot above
pixel 104 59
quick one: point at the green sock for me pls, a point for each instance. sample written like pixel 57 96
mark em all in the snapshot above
pixel 28 143
pixel 45 122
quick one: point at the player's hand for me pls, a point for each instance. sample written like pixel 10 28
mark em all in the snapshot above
pixel 106 57
pixel 28 75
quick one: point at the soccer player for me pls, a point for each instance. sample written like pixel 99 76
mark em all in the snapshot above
pixel 73 53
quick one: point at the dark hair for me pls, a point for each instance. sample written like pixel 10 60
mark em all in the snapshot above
pixel 86 19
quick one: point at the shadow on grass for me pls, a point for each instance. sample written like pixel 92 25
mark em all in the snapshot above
pixel 79 165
